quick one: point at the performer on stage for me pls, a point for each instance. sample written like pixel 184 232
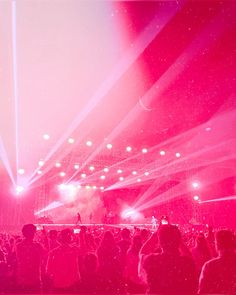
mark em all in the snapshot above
pixel 79 221
pixel 154 222
pixel 90 217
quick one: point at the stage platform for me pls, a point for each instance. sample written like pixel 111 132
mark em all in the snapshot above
pixel 60 226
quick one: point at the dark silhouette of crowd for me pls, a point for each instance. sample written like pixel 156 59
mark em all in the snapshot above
pixel 118 261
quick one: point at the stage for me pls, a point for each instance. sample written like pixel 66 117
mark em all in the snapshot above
pixel 60 226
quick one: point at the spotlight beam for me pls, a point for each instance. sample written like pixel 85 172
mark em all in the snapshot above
pixel 5 160
pixel 228 198
pixel 183 164
pixel 210 175
pixel 202 41
pixel 140 44
pixel 15 83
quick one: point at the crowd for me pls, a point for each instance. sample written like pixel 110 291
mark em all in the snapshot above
pixel 118 261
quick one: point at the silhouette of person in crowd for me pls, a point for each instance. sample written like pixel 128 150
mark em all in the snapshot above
pixel 110 263
pixel 29 255
pixel 134 283
pixel 201 252
pixel 62 265
pixel 169 272
pixel 219 274
pixel 90 280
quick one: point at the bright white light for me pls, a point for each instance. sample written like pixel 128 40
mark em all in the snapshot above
pixel 68 192
pixel 83 175
pixel 76 166
pixel 130 213
pixel 134 172
pixel 178 155
pixel 71 140
pixel 208 129
pixel 21 171
pixel 62 174
pixel 91 168
pixel 129 149
pixel 119 171
pixel 19 189
pixel 41 163
pixel 103 177
pixel 162 153
pixel 94 187
pixel 89 143
pixel 146 173
pixel 46 136
pixel 71 187
pixel 79 186
pixel 144 151
pixel 87 186
pixel 196 198
pixel 58 164
pixel 138 180
pixel 62 186
pixel 101 188
pixel 121 178
pixel 39 171
pixel 109 146
pixel 195 184
pixel 106 169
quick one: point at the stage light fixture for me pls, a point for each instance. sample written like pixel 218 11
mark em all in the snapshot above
pixel 41 163
pixel 196 198
pixel 121 178
pixel 83 175
pixel 119 171
pixel 76 166
pixel 71 140
pixel 103 177
pixel 144 150
pixel 62 174
pixel 138 180
pixel 91 168
pixel 19 189
pixel 134 172
pixel 195 184
pixel 89 143
pixel 162 153
pixel 94 187
pixel 101 188
pixel 87 186
pixel 39 172
pixel 106 169
pixel 109 146
pixel 46 136
pixel 62 186
pixel 58 164
pixel 146 173
pixel 129 149
pixel 178 155
pixel 21 171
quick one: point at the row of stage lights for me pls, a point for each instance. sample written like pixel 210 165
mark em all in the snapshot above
pixel 41 163
pixel 21 171
pixel 109 146
pixel 19 189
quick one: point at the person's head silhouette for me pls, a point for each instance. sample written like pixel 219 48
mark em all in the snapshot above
pixel 66 236
pixel 169 237
pixel 29 231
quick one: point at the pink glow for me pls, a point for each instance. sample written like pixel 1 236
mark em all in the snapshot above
pixel 133 101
